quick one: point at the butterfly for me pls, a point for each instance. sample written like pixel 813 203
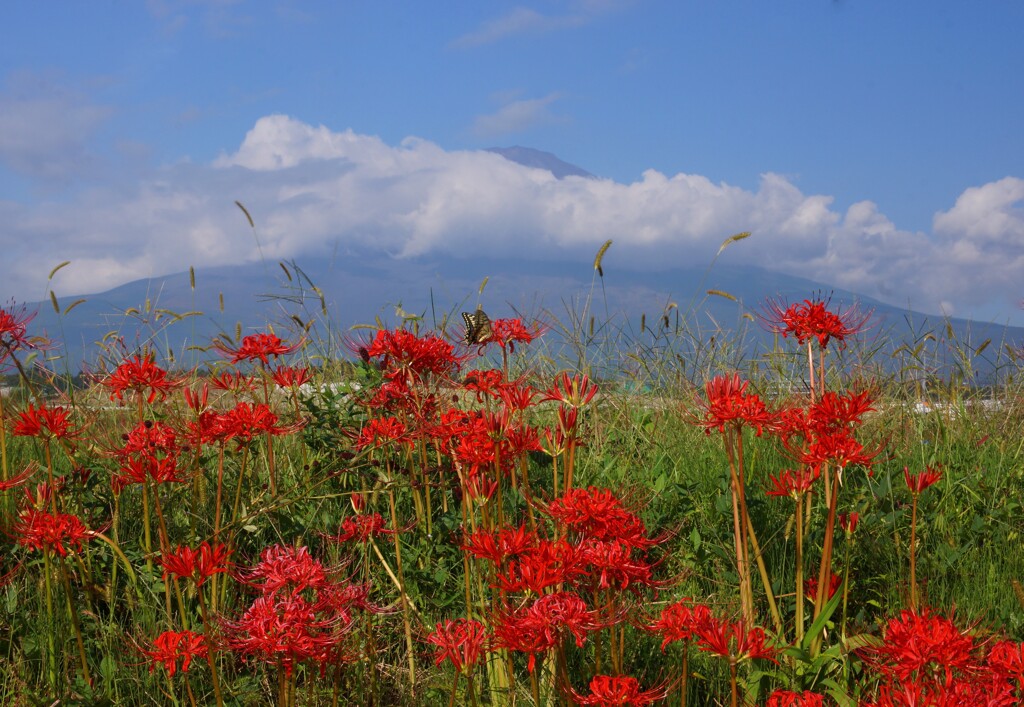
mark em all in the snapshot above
pixel 478 327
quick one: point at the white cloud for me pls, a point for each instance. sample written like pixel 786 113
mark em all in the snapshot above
pixel 525 20
pixel 517 116
pixel 311 189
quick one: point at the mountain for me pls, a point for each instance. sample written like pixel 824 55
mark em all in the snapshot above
pixel 361 290
pixel 538 159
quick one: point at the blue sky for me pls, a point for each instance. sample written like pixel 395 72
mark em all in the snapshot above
pixel 868 144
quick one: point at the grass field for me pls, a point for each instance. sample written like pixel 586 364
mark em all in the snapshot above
pixel 470 517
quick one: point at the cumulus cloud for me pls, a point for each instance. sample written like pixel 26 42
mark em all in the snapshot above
pixel 45 127
pixel 311 189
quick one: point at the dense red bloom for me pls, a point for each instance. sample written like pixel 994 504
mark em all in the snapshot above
pixel 506 332
pixel 502 545
pixel 257 347
pixel 362 527
pixel 462 641
pixel 484 382
pixel 13 327
pixel 140 374
pixel 545 624
pixel 812 319
pixel 791 483
pixel 140 468
pixel 728 403
pixel 286 567
pixel 199 564
pixel 171 646
pixel 404 355
pixel 575 391
pixel 44 422
pixel 245 422
pixel 920 481
pixel 920 645
pixel 291 377
pixel 785 698
pixel 733 640
pixel 1006 658
pixel 547 564
pixel 150 438
pixel 286 629
pixel 616 564
pixel 60 532
pixel 612 691
pixel 207 428
pixel 380 431
pixel 824 434
pixel 679 621
pixel 597 514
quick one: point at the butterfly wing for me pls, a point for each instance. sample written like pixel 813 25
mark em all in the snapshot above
pixel 478 327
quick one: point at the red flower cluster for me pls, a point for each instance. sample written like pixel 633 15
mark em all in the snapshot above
pixel 614 691
pixel 173 646
pixel 924 659
pixel 257 347
pixel 544 624
pixel 462 641
pixel 140 374
pixel 60 532
pixel 785 698
pixel 729 404
pixel 44 422
pixel 302 613
pixel 920 481
pixel 199 564
pixel 812 319
pixel 13 329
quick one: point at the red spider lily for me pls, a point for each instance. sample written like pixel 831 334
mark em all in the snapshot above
pixel 18 479
pixel 140 374
pixel 363 527
pixel 462 641
pixel 517 396
pixel 920 481
pixel 286 629
pixel 785 698
pixel 544 624
pixel 679 621
pixel 728 403
pixel 1006 659
pixel 141 468
pixel 791 483
pixel 197 401
pixel 498 547
pixel 209 427
pixel 483 383
pixel 811 586
pixel 289 377
pixel 812 319
pixel 404 355
pixel 233 382
pixel 244 422
pixel 575 391
pixel 733 640
pixel 381 431
pixel 60 532
pixel 171 646
pixel 150 438
pixel 615 564
pixel 548 564
pixel 919 645
pixel 597 514
pixel 613 691
pixel 284 567
pixel 199 564
pixel 44 422
pixel 257 347
pixel 508 331
pixel 848 522
pixel 13 327
pixel 824 434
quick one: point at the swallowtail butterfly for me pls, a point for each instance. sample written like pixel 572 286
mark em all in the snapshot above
pixel 478 327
